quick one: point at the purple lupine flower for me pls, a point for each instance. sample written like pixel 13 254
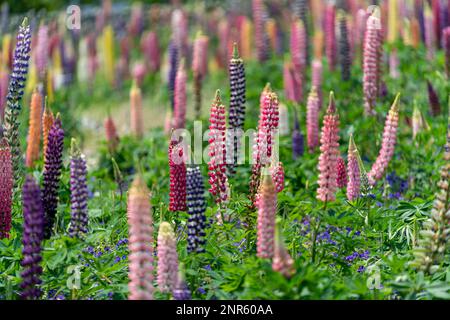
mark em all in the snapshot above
pixel 33 234
pixel 195 202
pixel 298 142
pixel 173 67
pixel 52 172
pixel 78 192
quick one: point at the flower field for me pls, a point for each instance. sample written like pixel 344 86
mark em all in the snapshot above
pixel 230 150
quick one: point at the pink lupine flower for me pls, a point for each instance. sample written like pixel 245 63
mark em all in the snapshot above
pixel 217 151
pixel 298 54
pixel 330 35
pixel 312 120
pixel 261 39
pixel 42 51
pixel 289 82
pixel 277 172
pixel 267 207
pixel 360 29
pixel 180 30
pixel 167 258
pixel 6 188
pixel 267 128
pixel 177 171
pixel 446 45
pixel 371 63
pixel 354 176
pixel 179 112
pixel 393 64
pixel 388 144
pixel 139 72
pixel 282 261
pixel 200 55
pixel 316 78
pixel 329 147
pixel 112 138
pixel 341 173
pixel 141 237
pixel 150 48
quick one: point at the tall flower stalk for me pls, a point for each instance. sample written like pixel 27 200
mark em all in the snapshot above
pixel 329 147
pixel 312 120
pixel 6 188
pixel 200 68
pixel 136 112
pixel 140 223
pixel 344 48
pixel 181 290
pixel 236 115
pixel 267 207
pixel 15 92
pixel 298 55
pixel 387 145
pixel 261 39
pixel 33 235
pixel 173 67
pixel 354 175
pixel 298 142
pixel 179 112
pixel 330 35
pixel 47 122
pixel 177 169
pixel 52 174
pixel 282 261
pixel 34 132
pixel 112 138
pixel 196 206
pixel 167 258
pixel 78 192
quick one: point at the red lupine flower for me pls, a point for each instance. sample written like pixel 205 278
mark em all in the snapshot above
pixel 177 168
pixel 217 151
pixel 329 147
pixel 141 238
pixel 341 171
pixel 267 207
pixel 6 188
pixel 354 176
pixel 388 144
pixel 167 258
pixel 312 120
pixel 372 63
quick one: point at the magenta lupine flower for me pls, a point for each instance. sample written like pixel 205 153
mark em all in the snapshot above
pixel 372 63
pixel 33 235
pixel 139 71
pixel 329 147
pixel 446 45
pixel 354 176
pixel 330 35
pixel 177 168
pixel 6 188
pixel 217 151
pixel 277 172
pixel 289 83
pixel 52 173
pixel 78 192
pixel 42 51
pixel 316 78
pixel 167 258
pixel 261 39
pixel 298 55
pixel 267 207
pixel 282 261
pixel 140 228
pixel 174 54
pixel 150 48
pixel 179 112
pixel 388 144
pixel 341 173
pixel 312 120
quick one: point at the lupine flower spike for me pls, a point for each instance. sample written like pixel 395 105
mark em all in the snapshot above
pixel 167 258
pixel 52 172
pixel 371 63
pixel 329 147
pixel 217 151
pixel 261 39
pixel 200 68
pixel 179 112
pixel 181 290
pixel 434 238
pixel 140 224
pixel 388 144
pixel 341 173
pixel 15 92
pixel 136 112
pixel 6 188
pixel 298 143
pixel 34 132
pixel 446 44
pixel 177 168
pixel 47 122
pixel 196 206
pixel 111 135
pixel 33 235
pixel 433 99
pixel 330 35
pixel 282 261
pixel 344 48
pixel 236 115
pixel 312 120
pixel 173 67
pixel 267 206
pixel 78 192
pixel 354 176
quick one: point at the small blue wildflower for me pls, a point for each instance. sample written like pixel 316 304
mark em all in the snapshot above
pixel 207 267
pixel 361 269
pixel 201 290
pixel 117 259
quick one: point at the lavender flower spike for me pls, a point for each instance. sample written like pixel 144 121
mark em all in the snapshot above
pixel 52 172
pixel 33 234
pixel 78 192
